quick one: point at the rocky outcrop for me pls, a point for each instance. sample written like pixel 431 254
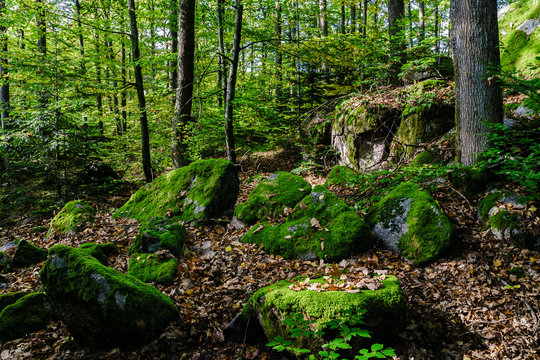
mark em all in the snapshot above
pixel 271 197
pixel 200 191
pixel 72 218
pixel 409 222
pixel 101 306
pixel 321 226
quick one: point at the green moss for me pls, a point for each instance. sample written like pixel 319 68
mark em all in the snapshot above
pixel 101 252
pixel 28 254
pixel 10 298
pixel 153 268
pixel 426 157
pixel 160 233
pixel 201 190
pixel 503 220
pixel 5 262
pixel 28 314
pixel 342 176
pixel 271 196
pixel 428 231
pixel 274 302
pixel 490 201
pixel 72 218
pixel 320 226
pixel 517 271
pixel 100 305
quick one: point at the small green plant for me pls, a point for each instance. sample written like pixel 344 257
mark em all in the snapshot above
pixel 345 327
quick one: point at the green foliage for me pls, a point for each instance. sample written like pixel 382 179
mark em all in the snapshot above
pixel 346 327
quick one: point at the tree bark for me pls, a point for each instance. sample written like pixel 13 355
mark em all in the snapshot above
pixel 231 83
pixel 323 17
pixel 222 71
pixel 4 73
pixel 145 136
pixel 353 17
pixel 343 16
pixel 364 28
pixel 396 12
pixel 437 41
pixel 184 91
pixel 279 55
pixel 173 28
pixel 99 97
pixel 41 45
pixel 80 34
pixel 478 96
pixel 421 24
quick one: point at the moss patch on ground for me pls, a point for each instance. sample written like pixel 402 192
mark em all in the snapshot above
pixel 153 268
pixel 488 202
pixel 30 313
pixel 271 196
pixel 72 218
pixel 28 254
pixel 101 306
pixel 160 234
pixel 201 190
pixel 321 226
pixel 342 176
pixel 422 232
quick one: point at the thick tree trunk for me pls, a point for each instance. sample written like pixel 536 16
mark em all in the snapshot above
pixel 231 83
pixel 323 18
pixel 421 24
pixel 279 55
pixel 4 73
pixel 478 96
pixel 395 16
pixel 184 92
pixel 173 28
pixel 145 136
pixel 222 71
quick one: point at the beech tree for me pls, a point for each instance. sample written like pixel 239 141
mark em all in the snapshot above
pixel 478 96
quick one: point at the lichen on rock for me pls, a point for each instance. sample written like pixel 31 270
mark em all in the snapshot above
pixel 159 269
pixel 409 222
pixel 101 306
pixel 271 196
pixel 200 191
pixel 160 234
pixel 321 226
pixel 72 218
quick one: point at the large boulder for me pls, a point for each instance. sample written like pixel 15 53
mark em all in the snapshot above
pixel 28 254
pixel 101 252
pixel 362 133
pixel 321 226
pixel 160 234
pixel 101 306
pixel 200 191
pixel 72 218
pixel 409 222
pixel 341 175
pixel 271 196
pixel 320 301
pixel 31 312
pixel 153 268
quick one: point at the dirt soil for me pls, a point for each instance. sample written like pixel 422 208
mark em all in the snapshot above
pixel 467 305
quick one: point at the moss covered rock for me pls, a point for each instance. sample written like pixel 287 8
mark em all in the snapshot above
pixel 159 269
pixel 9 298
pixel 199 191
pixel 383 308
pixel 28 254
pixel 342 176
pixel 72 218
pixel 321 226
pixel 101 252
pixel 5 262
pixel 426 157
pixel 408 221
pixel 29 313
pixel 271 196
pixel 101 306
pixel 160 234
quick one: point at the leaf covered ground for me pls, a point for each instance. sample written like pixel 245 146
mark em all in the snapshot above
pixel 472 304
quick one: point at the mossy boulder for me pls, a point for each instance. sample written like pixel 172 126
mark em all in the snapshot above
pixel 160 234
pixel 29 313
pixel 10 298
pixel 409 222
pixel 100 306
pixel 321 226
pixel 342 175
pixel 383 308
pixel 200 191
pixel 5 262
pixel 271 196
pixel 426 157
pixel 73 217
pixel 28 254
pixel 362 133
pixel 101 252
pixel 156 268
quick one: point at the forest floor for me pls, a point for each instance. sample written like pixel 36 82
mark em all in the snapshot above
pixel 466 305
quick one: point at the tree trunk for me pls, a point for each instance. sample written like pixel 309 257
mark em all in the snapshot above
pixel 323 18
pixel 395 16
pixel 353 17
pixel 222 71
pixel 173 28
pixel 231 83
pixel 42 45
pixel 184 92
pixel 343 16
pixel 421 24
pixel 99 97
pixel 80 35
pixel 4 73
pixel 123 94
pixel 437 41
pixel 279 55
pixel 478 96
pixel 364 18
pixel 145 136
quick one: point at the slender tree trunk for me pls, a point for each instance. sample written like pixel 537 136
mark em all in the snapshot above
pixel 184 92
pixel 99 96
pixel 421 24
pixel 123 95
pixel 80 35
pixel 173 28
pixel 222 71
pixel 353 17
pixel 42 45
pixel 437 41
pixel 279 55
pixel 395 16
pixel 323 18
pixel 343 17
pixel 298 84
pixel 364 18
pixel 145 136
pixel 231 83
pixel 410 36
pixel 4 73
pixel 478 96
